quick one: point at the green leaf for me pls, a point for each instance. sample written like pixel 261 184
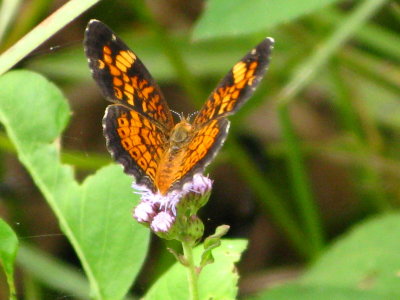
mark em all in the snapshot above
pixel 368 258
pixel 236 17
pixel 8 251
pixel 365 264
pixel 95 216
pixel 212 242
pixel 52 272
pixel 216 281
pixel 306 292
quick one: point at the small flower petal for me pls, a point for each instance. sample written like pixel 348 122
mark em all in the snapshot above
pixel 162 222
pixel 200 184
pixel 144 212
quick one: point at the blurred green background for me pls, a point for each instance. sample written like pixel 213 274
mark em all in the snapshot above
pixel 315 151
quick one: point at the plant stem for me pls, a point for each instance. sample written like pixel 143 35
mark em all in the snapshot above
pixel 8 9
pixel 64 15
pixel 191 271
pixel 308 211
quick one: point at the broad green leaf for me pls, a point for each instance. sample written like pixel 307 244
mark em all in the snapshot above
pixel 8 251
pixel 236 17
pixel 95 216
pixel 364 264
pixel 311 292
pixel 217 280
pixel 367 258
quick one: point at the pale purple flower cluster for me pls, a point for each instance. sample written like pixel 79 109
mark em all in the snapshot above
pixel 160 211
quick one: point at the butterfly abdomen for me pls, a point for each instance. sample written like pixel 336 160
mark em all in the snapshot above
pixel 169 170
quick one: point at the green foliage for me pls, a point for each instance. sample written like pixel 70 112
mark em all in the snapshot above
pixel 210 243
pixel 368 256
pixel 96 215
pixel 217 280
pixel 363 264
pixel 8 251
pixel 234 17
pixel 309 292
pixel 63 276
pixel 337 56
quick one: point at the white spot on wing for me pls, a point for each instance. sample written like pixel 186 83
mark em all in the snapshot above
pixel 270 39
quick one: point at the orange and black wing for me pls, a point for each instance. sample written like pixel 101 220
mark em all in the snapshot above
pixel 135 142
pixel 238 85
pixel 211 124
pixel 201 150
pixel 138 124
pixel 122 77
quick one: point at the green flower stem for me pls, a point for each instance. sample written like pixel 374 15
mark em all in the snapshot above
pixel 42 32
pixel 11 286
pixel 191 271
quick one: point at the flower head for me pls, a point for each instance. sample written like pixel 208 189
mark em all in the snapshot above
pixel 173 216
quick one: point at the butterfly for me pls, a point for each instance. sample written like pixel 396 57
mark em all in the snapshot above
pixel 140 131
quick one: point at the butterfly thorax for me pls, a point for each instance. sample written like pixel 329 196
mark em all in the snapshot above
pixel 169 169
pixel 180 134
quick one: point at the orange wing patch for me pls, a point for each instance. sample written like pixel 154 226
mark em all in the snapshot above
pixel 134 141
pixel 118 65
pixel 230 93
pixel 200 145
pixel 178 166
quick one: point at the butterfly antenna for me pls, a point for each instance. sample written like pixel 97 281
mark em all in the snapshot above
pixel 193 114
pixel 176 113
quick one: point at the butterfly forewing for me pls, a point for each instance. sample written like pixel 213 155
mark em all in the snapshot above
pixel 121 75
pixel 238 85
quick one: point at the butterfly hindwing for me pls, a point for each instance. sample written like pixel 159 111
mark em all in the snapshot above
pixel 135 142
pixel 201 150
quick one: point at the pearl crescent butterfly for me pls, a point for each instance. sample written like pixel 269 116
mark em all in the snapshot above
pixel 140 131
